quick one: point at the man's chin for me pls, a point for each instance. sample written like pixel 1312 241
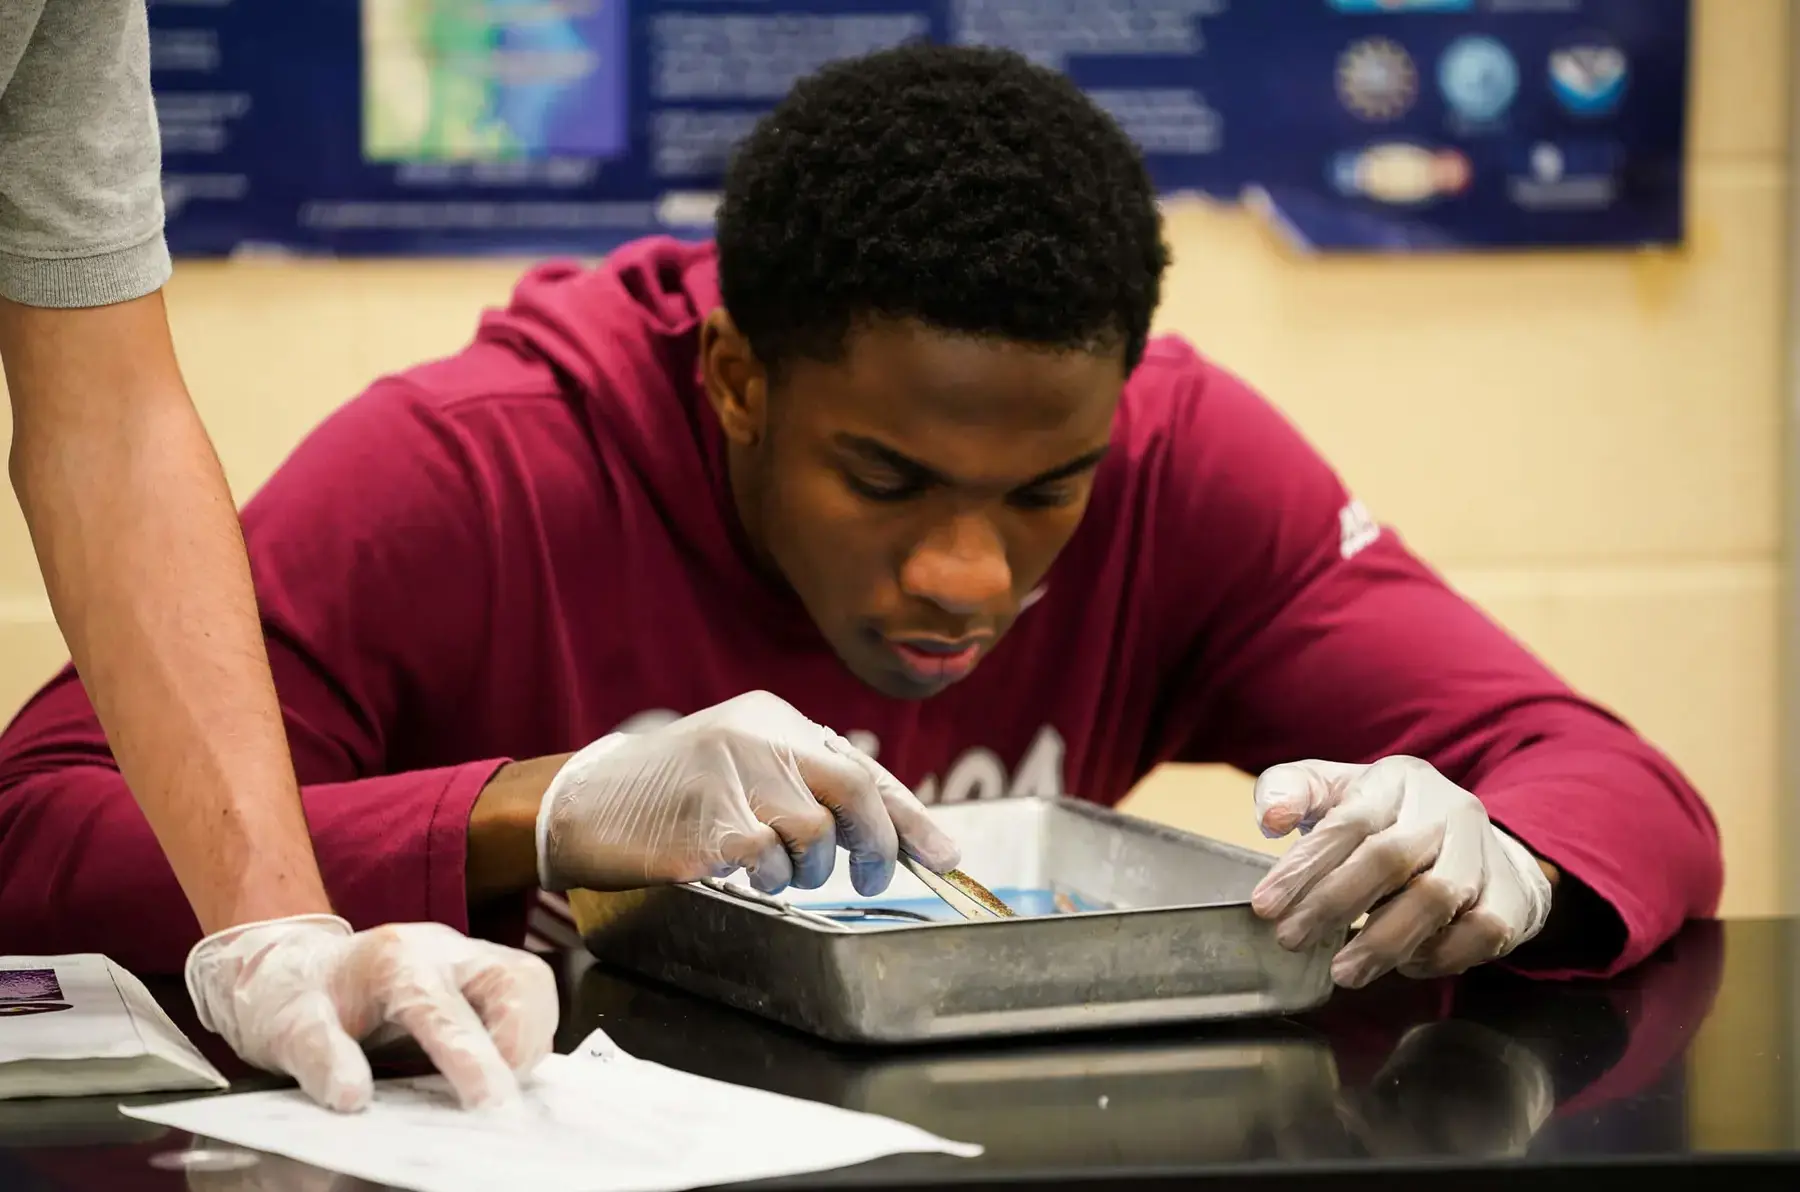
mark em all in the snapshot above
pixel 902 686
pixel 895 682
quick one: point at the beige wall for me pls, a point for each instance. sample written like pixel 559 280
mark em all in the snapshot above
pixel 1586 443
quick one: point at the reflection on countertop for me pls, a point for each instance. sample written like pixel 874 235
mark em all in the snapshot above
pixel 1490 1066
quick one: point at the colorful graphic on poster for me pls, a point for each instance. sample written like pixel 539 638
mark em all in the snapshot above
pixel 359 127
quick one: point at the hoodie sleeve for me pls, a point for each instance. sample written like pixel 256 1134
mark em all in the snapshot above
pixel 352 658
pixel 1312 632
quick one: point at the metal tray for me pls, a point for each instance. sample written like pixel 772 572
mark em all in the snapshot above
pixel 1178 943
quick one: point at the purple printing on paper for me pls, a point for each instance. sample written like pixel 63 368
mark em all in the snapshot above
pixel 29 985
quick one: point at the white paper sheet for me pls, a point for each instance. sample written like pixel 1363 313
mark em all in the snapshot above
pixel 79 1025
pixel 595 1121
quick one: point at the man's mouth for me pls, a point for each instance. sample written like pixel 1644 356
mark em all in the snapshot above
pixel 937 661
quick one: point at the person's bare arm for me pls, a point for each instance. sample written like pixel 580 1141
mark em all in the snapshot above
pixel 147 572
pixel 144 562
pixel 503 829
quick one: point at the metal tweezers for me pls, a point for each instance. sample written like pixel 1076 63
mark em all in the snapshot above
pixel 862 914
pixel 966 896
pixel 775 904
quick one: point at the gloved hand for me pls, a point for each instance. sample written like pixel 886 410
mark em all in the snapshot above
pixel 299 995
pixel 747 784
pixel 1464 891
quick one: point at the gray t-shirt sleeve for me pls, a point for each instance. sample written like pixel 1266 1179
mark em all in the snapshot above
pixel 81 211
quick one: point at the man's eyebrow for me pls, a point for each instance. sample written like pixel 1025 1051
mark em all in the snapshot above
pixel 1074 467
pixel 925 474
pixel 883 454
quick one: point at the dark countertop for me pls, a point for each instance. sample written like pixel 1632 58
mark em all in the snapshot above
pixel 1686 1062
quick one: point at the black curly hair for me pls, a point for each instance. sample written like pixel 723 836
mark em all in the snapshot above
pixel 966 188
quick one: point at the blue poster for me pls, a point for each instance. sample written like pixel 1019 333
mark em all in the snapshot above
pixel 541 127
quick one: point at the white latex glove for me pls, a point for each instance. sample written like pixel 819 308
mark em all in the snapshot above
pixel 747 784
pixel 1464 891
pixel 301 995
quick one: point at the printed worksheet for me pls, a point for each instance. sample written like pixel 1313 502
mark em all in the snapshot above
pixel 595 1121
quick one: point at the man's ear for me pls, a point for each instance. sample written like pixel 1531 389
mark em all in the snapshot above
pixel 736 382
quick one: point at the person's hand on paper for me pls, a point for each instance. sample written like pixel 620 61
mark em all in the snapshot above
pixel 1459 891
pixel 304 995
pixel 748 784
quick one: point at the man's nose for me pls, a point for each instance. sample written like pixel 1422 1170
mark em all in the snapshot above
pixel 961 567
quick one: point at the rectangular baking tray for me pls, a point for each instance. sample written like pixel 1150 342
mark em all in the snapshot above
pixel 1177 942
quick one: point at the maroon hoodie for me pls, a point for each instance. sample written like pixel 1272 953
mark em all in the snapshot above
pixel 516 550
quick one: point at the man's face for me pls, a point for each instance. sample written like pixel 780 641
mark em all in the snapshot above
pixel 914 492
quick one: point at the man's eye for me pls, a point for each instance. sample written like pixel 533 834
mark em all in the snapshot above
pixel 1049 497
pixel 882 490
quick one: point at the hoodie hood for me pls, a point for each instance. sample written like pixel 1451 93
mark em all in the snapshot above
pixel 622 340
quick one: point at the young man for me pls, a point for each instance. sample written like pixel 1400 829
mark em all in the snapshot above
pixel 144 566
pixel 898 457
